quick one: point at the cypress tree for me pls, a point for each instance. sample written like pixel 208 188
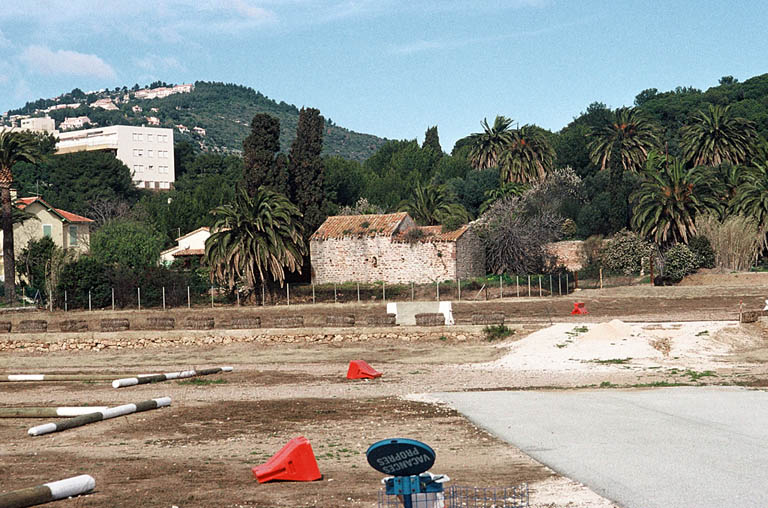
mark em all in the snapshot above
pixel 262 164
pixel 432 140
pixel 305 169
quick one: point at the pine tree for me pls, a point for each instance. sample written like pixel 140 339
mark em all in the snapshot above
pixel 262 164
pixel 305 169
pixel 432 140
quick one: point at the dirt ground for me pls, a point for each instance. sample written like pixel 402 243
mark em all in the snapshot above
pixel 199 451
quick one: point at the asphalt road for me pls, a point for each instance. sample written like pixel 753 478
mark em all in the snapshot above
pixel 669 447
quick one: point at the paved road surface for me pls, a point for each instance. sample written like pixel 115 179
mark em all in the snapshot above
pixel 670 447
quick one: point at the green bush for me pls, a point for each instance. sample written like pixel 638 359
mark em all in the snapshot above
pixel 679 261
pixel 625 252
pixel 497 332
pixel 705 255
pixel 127 244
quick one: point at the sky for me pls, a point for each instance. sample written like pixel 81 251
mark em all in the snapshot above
pixel 388 67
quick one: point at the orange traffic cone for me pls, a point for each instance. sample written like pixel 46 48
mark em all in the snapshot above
pixel 358 369
pixel 578 308
pixel 294 462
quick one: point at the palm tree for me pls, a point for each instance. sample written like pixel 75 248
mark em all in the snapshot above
pixel 432 205
pixel 669 199
pixel 508 189
pixel 717 136
pixel 751 197
pixel 487 146
pixel 256 239
pixel 528 156
pixel 14 147
pixel 631 133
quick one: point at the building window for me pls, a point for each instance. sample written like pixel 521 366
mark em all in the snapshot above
pixel 47 230
pixel 72 236
pixel 150 153
pixel 150 137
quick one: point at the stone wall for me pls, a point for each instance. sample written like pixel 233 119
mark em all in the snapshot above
pixel 569 253
pixel 470 255
pixel 373 259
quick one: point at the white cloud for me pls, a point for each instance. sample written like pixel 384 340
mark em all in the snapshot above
pixel 44 61
pixel 155 63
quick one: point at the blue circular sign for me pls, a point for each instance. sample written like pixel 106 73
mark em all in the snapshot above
pixel 400 457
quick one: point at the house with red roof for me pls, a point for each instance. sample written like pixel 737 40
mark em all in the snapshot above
pixel 67 230
pixel 188 246
pixel 392 248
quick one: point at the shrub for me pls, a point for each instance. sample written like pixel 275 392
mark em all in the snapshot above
pixel 128 244
pixel 32 261
pixel 705 255
pixel 83 275
pixel 497 332
pixel 625 252
pixel 679 261
pixel 514 242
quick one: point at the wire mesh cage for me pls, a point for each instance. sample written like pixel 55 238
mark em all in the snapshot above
pixel 463 497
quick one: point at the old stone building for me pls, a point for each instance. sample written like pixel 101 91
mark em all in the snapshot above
pixel 392 248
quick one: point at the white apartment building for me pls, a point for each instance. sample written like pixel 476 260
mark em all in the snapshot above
pixel 38 124
pixel 74 122
pixel 147 151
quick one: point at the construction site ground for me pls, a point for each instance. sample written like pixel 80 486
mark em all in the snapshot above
pixel 199 452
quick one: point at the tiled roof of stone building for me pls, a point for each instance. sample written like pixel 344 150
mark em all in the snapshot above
pixel 340 226
pixel 431 234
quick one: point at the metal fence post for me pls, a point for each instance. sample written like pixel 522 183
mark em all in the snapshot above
pixel 263 294
pixel 65 301
pixel 237 295
pixel 384 291
pixel 358 293
pixel 458 283
pixel 559 284
pixel 539 286
pixel 113 299
pixel 517 285
pixel 335 293
pixel 437 285
pixel 501 286
pixel 313 292
pixel 566 283
pixel 138 292
pixel 164 298
pixel 551 293
pixel 189 299
pixel 529 285
pixel 89 300
pixel 288 292
pixel 412 291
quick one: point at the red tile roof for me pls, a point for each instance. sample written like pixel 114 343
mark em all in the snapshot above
pixel 340 226
pixel 433 234
pixel 189 252
pixel 22 203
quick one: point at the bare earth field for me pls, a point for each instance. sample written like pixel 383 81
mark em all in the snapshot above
pixel 199 451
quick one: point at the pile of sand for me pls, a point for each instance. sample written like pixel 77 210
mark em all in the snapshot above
pixel 615 344
pixel 610 331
